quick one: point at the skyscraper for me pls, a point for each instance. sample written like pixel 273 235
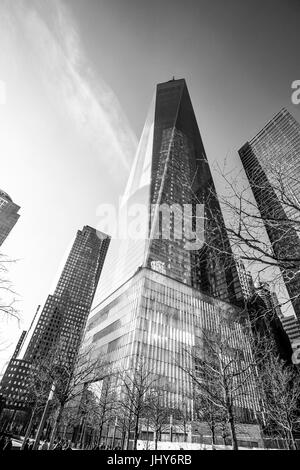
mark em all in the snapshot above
pixel 292 327
pixel 245 278
pixel 267 294
pixel 271 162
pixel 65 312
pixel 169 173
pixel 8 215
pixel 159 289
pixel 63 318
pixel 19 344
pixel 265 315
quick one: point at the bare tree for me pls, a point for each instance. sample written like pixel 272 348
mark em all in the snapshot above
pixel 66 376
pixel 98 406
pixel 84 416
pixel 157 413
pixel 36 392
pixel 212 415
pixel 69 377
pixel 181 418
pixel 264 229
pixel 125 423
pixel 8 297
pixel 223 371
pixel 279 385
pixel 8 303
pixel 136 384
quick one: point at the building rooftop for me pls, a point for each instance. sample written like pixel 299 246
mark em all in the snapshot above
pixel 5 195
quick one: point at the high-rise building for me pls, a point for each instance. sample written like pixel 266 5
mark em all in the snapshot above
pixel 65 312
pixel 19 345
pixel 292 327
pixel 63 319
pixel 265 314
pixel 267 294
pixel 272 164
pixel 246 280
pixel 170 174
pixel 8 215
pixel 159 289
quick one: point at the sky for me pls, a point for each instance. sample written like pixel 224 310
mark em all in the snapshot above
pixel 79 76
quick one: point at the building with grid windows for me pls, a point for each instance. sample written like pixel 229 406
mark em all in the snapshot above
pixel 246 279
pixel 65 312
pixel 19 344
pixel 63 317
pixel 292 327
pixel 8 215
pixel 265 314
pixel 272 165
pixel 267 294
pixel 158 292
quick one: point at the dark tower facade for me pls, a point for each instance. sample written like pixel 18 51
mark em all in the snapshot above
pixel 180 176
pixel 19 345
pixel 272 165
pixel 62 320
pixel 65 312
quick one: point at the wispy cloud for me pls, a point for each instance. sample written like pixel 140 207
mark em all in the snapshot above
pixel 49 35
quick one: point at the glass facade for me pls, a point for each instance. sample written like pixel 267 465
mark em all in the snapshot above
pixel 171 170
pixel 271 162
pixel 126 254
pixel 276 149
pixel 180 176
pixel 155 295
pixel 158 318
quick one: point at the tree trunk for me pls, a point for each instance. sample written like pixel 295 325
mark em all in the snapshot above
pixel 100 433
pixel 292 442
pixel 65 431
pixel 128 439
pixel 231 418
pixel 123 438
pixel 224 437
pixel 129 427
pixel 82 435
pixel 213 435
pixel 136 432
pixel 29 428
pixel 156 439
pixel 233 430
pixel 56 424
